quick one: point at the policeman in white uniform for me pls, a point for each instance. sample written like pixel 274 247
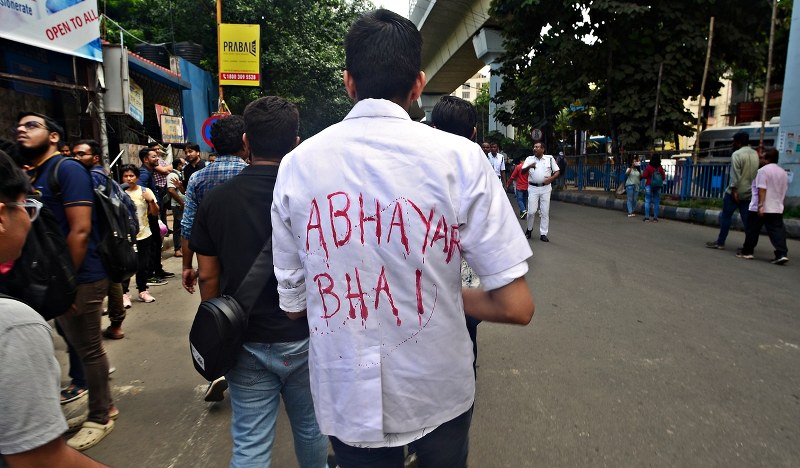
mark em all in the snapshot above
pixel 542 171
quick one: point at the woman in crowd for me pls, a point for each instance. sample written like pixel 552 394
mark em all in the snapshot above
pixel 653 176
pixel 632 184
pixel 145 201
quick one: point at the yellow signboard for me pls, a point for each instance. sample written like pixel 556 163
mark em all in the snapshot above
pixel 239 54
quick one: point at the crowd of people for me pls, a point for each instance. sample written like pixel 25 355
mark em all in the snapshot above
pixel 381 230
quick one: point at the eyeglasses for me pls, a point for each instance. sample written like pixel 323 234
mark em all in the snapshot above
pixel 80 154
pixel 30 125
pixel 31 205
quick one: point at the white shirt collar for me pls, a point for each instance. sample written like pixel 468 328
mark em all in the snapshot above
pixel 377 108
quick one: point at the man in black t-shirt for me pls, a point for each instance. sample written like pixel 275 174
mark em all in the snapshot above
pixel 230 229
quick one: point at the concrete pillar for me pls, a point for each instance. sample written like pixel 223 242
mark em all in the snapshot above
pixel 426 103
pixel 488 44
pixel 790 110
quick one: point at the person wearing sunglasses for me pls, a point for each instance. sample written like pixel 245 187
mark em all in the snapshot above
pixel 32 422
pixel 71 203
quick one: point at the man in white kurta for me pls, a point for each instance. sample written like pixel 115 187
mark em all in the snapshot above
pixel 371 218
pixel 542 171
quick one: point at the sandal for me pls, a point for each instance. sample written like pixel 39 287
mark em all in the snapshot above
pixel 90 435
pixel 72 393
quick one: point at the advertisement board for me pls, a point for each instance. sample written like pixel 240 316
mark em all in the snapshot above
pixel 171 128
pixel 136 102
pixel 68 26
pixel 239 54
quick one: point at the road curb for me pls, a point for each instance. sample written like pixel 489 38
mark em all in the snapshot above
pixel 708 217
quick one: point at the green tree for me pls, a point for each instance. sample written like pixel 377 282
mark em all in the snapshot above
pixel 607 53
pixel 302 54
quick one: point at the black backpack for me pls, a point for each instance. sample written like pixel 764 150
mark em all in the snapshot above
pixel 117 246
pixel 43 276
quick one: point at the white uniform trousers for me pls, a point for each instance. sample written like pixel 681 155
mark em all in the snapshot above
pixel 539 197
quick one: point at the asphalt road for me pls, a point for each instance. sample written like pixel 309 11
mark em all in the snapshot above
pixel 646 349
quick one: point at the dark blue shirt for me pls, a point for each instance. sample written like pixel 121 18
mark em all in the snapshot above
pixel 76 190
pixel 146 178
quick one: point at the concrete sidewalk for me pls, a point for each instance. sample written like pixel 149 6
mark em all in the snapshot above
pixel 706 216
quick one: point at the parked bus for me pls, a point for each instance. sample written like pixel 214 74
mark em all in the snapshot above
pixel 717 142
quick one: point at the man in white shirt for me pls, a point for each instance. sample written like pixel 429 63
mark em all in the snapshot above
pixel 498 162
pixel 372 217
pixel 542 171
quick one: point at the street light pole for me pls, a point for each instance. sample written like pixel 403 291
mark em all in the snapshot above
pixel 769 71
pixel 220 105
pixel 703 91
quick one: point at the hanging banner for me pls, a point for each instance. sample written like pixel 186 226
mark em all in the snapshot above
pixel 162 110
pixel 239 54
pixel 67 26
pixel 136 102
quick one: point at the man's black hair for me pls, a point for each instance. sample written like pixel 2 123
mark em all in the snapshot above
pixel 272 124
pixel 93 145
pixel 226 134
pixel 771 155
pixel 455 115
pixel 13 182
pixel 51 124
pixel 10 148
pixel 143 153
pixel 193 146
pixel 132 168
pixel 742 138
pixel 383 55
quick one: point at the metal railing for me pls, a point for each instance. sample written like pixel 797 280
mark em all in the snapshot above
pixel 684 180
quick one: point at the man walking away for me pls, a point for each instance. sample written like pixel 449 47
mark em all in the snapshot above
pixel 542 171
pixel 354 218
pixel 744 166
pixel 230 229
pixel 766 208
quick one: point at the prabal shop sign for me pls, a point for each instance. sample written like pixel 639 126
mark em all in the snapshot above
pixel 67 26
pixel 239 54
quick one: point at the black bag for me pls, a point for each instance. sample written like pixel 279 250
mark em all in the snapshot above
pixel 43 276
pixel 218 328
pixel 117 246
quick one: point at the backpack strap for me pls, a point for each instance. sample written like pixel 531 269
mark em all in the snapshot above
pixel 52 181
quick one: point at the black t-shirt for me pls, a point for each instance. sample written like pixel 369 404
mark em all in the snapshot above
pixel 232 224
pixel 188 170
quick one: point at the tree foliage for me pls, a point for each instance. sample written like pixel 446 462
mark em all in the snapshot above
pixel 302 53
pixel 607 54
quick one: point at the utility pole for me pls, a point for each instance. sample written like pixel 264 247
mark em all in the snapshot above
pixel 221 103
pixel 769 71
pixel 703 91
pixel 658 96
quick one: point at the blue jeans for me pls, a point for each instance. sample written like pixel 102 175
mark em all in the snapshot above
pixel 522 199
pixel 729 205
pixel 447 446
pixel 631 192
pixel 263 373
pixel 654 194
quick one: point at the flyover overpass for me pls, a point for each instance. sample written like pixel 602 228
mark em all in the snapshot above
pixel 448 55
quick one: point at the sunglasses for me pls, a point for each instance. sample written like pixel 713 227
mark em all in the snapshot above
pixel 31 205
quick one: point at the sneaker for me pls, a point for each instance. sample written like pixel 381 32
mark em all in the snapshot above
pixel 145 296
pixel 780 261
pixel 154 281
pixel 72 393
pixel 216 390
pixel 165 274
pixel 523 215
pixel 739 254
pixel 126 301
pixel 544 238
pixel 646 220
pixel 631 215
pixel 714 245
pixel 528 234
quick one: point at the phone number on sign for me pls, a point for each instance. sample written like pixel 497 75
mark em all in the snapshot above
pixel 239 76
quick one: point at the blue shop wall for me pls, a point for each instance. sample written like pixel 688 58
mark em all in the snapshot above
pixel 198 102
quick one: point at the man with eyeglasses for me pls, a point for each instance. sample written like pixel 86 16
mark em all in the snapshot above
pixel 37 137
